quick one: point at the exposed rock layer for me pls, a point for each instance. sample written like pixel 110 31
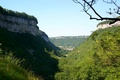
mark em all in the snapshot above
pixel 21 25
pixel 106 25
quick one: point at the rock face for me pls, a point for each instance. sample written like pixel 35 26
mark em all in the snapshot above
pixel 21 25
pixel 106 25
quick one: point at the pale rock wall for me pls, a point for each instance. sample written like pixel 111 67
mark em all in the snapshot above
pixel 103 26
pixel 21 25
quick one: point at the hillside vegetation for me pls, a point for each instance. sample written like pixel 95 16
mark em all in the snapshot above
pixel 35 52
pixel 98 58
pixel 10 69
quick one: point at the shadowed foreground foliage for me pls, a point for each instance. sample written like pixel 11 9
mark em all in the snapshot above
pixel 10 69
pixel 34 50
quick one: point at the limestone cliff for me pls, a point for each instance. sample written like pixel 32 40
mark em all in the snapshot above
pixel 20 23
pixel 106 25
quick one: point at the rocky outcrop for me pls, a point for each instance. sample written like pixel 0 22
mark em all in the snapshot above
pixel 23 23
pixel 106 25
pixel 20 24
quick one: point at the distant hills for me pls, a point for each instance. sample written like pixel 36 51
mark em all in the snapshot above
pixel 68 42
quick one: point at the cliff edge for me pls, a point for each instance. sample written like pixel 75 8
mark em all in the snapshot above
pixel 20 22
pixel 108 23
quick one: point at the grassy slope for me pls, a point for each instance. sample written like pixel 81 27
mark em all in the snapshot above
pixel 98 58
pixel 10 69
pixel 32 49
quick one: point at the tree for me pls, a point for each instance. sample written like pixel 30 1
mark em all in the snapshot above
pixel 89 5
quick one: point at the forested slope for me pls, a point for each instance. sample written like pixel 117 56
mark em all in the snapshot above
pixel 33 50
pixel 98 58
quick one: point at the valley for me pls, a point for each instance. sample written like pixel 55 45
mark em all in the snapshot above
pixel 68 42
pixel 27 53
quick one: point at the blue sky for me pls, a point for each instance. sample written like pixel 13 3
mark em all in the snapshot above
pixel 55 17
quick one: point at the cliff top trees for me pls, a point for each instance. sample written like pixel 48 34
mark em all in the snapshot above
pixel 16 14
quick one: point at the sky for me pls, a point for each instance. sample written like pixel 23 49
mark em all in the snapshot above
pixel 56 17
